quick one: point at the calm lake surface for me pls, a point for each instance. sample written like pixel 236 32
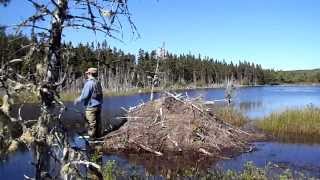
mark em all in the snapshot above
pixel 255 102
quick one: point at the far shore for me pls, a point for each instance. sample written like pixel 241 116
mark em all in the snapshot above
pixel 70 96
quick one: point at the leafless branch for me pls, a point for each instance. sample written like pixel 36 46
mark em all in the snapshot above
pixel 19 26
pixel 55 3
pixel 92 17
pixel 40 7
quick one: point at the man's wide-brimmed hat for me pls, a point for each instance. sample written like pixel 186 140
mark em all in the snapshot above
pixel 92 70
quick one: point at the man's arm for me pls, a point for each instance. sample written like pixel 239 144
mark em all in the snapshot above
pixel 85 93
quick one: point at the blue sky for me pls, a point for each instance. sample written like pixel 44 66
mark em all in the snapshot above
pixel 279 34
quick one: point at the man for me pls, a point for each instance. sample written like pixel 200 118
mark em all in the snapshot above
pixel 92 98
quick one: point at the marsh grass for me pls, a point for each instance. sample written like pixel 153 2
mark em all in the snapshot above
pixel 231 115
pixel 112 171
pixel 71 96
pixel 301 124
pixel 26 97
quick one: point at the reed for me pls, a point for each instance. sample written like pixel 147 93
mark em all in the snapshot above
pixel 294 124
pixel 231 115
pixel 71 96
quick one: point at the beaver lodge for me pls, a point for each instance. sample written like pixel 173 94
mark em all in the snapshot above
pixel 176 124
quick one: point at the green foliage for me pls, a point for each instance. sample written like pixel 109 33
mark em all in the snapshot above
pixel 250 172
pixel 287 174
pixel 300 124
pixel 95 157
pixel 110 170
pixel 182 70
pixel 299 76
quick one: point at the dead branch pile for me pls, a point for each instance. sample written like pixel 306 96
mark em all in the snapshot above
pixel 176 124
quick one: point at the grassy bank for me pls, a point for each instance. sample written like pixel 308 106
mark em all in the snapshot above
pixel 70 96
pixel 302 124
pixel 231 116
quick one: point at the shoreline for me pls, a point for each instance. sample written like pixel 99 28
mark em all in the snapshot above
pixel 70 96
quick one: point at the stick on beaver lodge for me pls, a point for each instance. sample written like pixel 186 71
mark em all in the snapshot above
pixel 176 124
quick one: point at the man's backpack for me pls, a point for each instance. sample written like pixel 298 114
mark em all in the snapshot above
pixel 97 91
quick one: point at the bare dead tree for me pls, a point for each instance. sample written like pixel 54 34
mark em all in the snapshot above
pixel 50 138
pixel 155 79
pixel 230 90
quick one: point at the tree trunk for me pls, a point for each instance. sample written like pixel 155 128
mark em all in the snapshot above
pixel 54 55
pixel 47 120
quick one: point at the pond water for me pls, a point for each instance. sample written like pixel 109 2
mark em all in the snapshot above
pixel 255 102
pixel 298 157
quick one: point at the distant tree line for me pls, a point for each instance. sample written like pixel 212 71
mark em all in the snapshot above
pixel 121 71
pixel 185 69
pixel 290 77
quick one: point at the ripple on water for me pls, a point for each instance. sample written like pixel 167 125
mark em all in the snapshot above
pixel 301 157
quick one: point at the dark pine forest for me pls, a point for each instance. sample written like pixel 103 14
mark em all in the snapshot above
pixel 119 70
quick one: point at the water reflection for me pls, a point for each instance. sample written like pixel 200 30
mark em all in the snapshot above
pixel 300 157
pixel 277 98
pixel 258 102
pixel 167 167
pixel 248 106
pixel 16 165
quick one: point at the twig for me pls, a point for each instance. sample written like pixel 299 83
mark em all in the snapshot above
pixel 148 149
pixel 30 122
pixel 154 124
pixel 128 117
pixel 87 163
pixel 201 136
pixel 205 152
pixel 176 97
pixel 19 112
pixel 162 119
pixel 155 119
pixel 124 109
pixel 27 177
pixel 135 107
pixel 96 142
pixel 175 143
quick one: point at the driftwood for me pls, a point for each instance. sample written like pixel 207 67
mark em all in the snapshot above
pixel 205 152
pixel 148 149
pixel 175 143
pixel 175 123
